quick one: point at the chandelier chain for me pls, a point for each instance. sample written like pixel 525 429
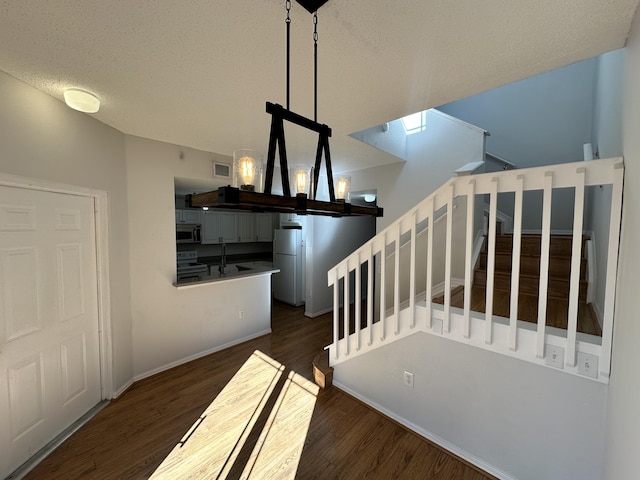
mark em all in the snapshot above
pixel 288 23
pixel 315 66
pixel 315 27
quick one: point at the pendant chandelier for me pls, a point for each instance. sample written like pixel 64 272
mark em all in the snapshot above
pixel 248 166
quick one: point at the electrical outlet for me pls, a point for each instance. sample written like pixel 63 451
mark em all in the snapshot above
pixel 436 325
pixel 240 313
pixel 554 356
pixel 587 365
pixel 408 379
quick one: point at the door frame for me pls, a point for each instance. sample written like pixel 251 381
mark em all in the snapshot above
pixel 101 211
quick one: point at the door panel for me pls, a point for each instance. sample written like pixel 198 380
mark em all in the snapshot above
pixel 70 281
pixel 21 312
pixel 73 360
pixel 25 395
pixel 49 344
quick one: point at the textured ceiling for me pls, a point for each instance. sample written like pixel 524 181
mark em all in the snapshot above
pixel 197 73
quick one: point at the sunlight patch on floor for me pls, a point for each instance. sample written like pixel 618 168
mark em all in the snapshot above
pixel 255 428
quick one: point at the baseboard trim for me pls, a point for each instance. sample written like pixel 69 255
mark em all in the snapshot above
pixel 122 389
pixel 454 449
pixel 317 314
pixel 45 451
pixel 195 356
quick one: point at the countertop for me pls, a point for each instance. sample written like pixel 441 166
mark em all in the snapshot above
pixel 232 271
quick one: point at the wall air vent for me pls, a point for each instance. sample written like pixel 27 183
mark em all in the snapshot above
pixel 221 170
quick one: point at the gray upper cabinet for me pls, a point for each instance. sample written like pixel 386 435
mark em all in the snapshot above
pixel 211 229
pixel 189 216
pixel 223 226
pixel 264 227
pixel 245 224
pixel 228 227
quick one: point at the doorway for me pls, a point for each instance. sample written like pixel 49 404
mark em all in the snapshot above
pixel 54 364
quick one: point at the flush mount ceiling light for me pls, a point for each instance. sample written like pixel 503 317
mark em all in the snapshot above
pixel 302 203
pixel 82 101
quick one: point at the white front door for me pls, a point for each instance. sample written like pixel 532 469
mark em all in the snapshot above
pixel 49 345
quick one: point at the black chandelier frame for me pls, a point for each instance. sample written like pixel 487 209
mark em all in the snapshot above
pixel 236 198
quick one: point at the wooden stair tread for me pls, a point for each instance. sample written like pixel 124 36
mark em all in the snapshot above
pixel 525 275
pixel 557 309
pixel 531 265
pixel 560 246
pixel 558 285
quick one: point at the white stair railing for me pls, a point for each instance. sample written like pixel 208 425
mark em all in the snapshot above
pixel 441 246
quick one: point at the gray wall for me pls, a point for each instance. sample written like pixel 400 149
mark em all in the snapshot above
pixel 541 120
pixel 546 119
pixel 527 421
pixel 623 421
pixel 606 135
pixel 42 138
pixel 607 141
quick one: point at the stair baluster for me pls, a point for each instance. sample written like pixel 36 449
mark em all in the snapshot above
pixel 576 260
pixel 515 264
pixel 527 271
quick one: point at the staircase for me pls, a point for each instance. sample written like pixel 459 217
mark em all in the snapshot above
pixel 528 309
pixel 560 247
pixel 559 265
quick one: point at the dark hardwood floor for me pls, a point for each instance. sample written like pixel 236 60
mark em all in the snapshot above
pixel 345 439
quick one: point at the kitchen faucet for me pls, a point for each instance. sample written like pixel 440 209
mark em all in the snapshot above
pixel 223 258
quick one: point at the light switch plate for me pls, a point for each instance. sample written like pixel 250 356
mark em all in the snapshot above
pixel 587 365
pixel 554 356
pixel 408 379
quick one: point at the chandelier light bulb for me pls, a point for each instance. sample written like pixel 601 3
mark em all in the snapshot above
pixel 300 179
pixel 343 188
pixel 247 170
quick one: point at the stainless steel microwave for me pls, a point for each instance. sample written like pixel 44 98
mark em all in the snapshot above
pixel 187 233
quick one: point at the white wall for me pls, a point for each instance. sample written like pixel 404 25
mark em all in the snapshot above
pixel 623 420
pixel 393 140
pixel 42 138
pixel 328 241
pixel 170 324
pixel 432 157
pixel 459 227
pixel 526 421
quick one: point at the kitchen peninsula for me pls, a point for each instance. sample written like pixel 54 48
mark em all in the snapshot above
pixel 231 272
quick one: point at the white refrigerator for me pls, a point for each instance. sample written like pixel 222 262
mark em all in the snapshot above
pixel 288 284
